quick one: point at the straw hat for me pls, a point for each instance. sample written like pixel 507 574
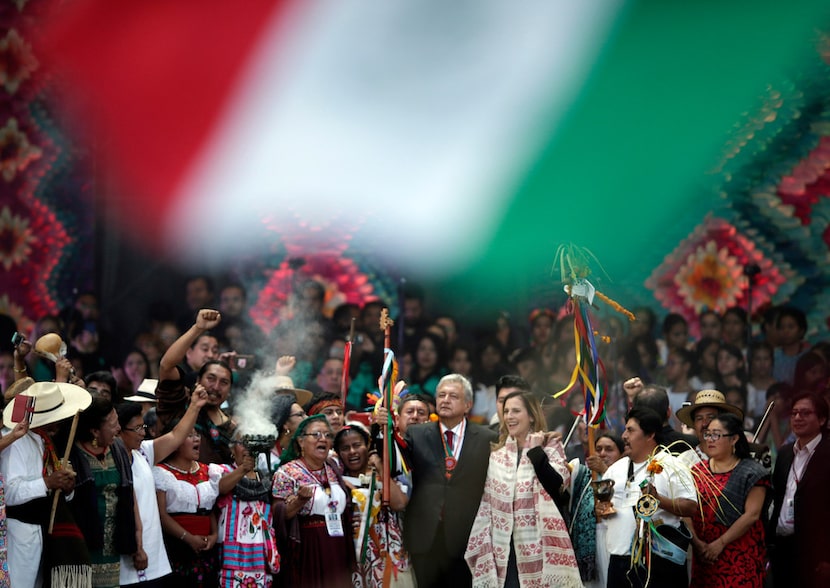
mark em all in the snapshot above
pixel 713 398
pixel 285 385
pixel 18 387
pixel 146 391
pixel 53 402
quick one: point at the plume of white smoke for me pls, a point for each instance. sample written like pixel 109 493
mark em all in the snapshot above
pixel 253 409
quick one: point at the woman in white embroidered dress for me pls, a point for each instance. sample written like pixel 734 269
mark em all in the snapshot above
pixel 186 490
pixel 519 537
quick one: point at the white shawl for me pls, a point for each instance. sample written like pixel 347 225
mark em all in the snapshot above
pixel 515 505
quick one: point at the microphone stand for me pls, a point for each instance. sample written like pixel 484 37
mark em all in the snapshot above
pixel 751 270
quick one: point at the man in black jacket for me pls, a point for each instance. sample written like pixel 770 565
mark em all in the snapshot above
pixel 801 514
pixel 449 460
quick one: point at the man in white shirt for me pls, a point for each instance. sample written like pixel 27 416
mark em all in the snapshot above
pixel 28 488
pixel 674 490
pixel 801 514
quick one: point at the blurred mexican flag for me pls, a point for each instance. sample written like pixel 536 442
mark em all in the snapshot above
pixel 466 139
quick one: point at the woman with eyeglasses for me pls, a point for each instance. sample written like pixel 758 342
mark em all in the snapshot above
pixel 186 490
pixel 150 564
pixel 309 494
pixel 728 531
pixel 286 415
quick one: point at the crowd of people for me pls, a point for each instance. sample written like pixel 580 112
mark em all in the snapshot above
pixel 210 453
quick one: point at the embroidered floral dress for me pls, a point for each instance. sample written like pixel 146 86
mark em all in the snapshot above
pixel 247 540
pixel 742 562
pixel 379 538
pixel 190 499
pixel 106 562
pixel 304 559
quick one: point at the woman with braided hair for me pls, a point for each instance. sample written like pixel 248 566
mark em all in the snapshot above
pixel 382 547
pixel 309 494
pixel 249 553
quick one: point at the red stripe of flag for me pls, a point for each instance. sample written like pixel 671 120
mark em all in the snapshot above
pixel 159 75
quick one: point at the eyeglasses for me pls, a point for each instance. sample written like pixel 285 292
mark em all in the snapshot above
pixel 300 414
pixel 714 436
pixel 138 428
pixel 802 413
pixel 318 435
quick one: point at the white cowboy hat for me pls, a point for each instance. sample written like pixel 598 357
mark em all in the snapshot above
pixel 146 391
pixel 53 402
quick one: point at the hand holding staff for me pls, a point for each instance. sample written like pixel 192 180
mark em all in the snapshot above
pixel 64 466
pixel 386 393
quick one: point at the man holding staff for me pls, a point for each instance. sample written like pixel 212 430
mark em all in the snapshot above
pixel 32 473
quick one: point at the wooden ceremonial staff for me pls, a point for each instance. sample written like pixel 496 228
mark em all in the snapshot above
pixel 386 325
pixel 64 463
pixel 590 452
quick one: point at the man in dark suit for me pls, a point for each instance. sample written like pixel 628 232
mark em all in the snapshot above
pixel 448 473
pixel 801 514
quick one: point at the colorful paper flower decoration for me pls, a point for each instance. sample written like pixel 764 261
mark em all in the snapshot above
pixel 710 278
pixel 341 277
pixel 705 271
pixel 17 61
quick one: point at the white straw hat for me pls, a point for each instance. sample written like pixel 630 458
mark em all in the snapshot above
pixel 53 402
pixel 146 391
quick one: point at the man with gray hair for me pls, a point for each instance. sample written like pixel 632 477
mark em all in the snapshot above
pixel 449 460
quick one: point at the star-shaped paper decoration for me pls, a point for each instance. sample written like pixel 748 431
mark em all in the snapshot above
pixel 17 61
pixel 706 271
pixel 16 153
